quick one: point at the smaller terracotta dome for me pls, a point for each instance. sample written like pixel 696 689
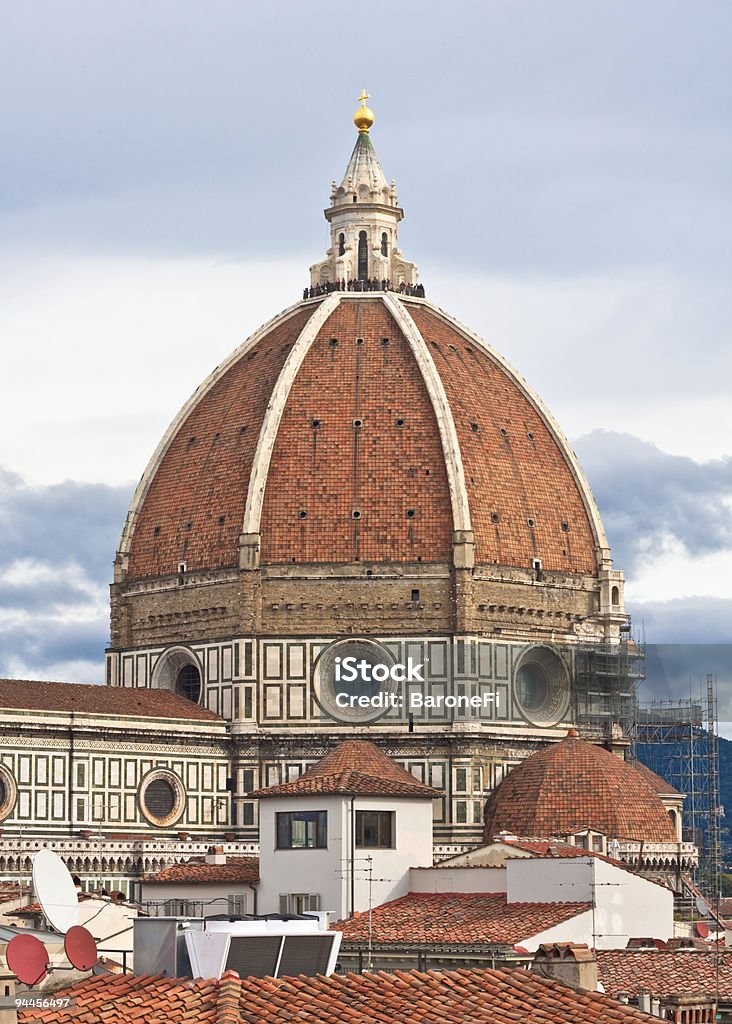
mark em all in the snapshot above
pixel 574 785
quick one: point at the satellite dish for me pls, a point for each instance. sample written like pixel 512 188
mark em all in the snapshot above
pixel 80 948
pixel 27 959
pixel 702 929
pixel 702 906
pixel 55 890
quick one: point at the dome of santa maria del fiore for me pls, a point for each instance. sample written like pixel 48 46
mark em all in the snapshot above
pixel 365 485
pixel 367 427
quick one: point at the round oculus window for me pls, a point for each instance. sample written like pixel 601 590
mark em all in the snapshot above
pixel 8 792
pixel 541 687
pixel 178 670
pixel 188 683
pixel 162 797
pixel 353 681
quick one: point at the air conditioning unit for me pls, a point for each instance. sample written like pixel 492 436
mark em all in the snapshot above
pixel 263 948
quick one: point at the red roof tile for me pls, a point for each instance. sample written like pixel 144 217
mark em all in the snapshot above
pixel 236 869
pixel 515 465
pixel 660 785
pixel 665 972
pixel 355 766
pixel 116 701
pixel 404 997
pixel 572 785
pixel 456 918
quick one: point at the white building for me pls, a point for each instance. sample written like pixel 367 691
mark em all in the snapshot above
pixel 343 837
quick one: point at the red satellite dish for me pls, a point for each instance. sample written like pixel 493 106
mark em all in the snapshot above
pixel 702 929
pixel 80 948
pixel 27 959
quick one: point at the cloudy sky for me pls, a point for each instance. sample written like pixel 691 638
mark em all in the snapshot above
pixel 164 166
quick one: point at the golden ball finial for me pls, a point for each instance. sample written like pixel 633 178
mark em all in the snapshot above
pixel 364 116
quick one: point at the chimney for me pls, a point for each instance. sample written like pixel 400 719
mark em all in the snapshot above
pixel 215 855
pixel 571 963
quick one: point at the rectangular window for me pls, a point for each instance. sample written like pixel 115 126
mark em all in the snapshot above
pixel 302 830
pixel 247 659
pixel 247 777
pixel 461 780
pixel 461 812
pixel 375 829
pixel 248 702
pixel 247 814
pixel 81 775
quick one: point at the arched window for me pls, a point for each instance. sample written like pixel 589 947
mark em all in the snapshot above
pixel 384 244
pixel 341 244
pixel 363 257
pixel 615 596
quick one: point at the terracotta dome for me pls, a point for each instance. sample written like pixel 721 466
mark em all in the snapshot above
pixel 363 427
pixel 573 785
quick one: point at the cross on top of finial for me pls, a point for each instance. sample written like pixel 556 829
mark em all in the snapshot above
pixel 363 118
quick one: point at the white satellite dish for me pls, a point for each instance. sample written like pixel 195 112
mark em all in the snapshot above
pixel 702 906
pixel 55 890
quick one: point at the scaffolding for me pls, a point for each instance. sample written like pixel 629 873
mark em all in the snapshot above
pixel 679 740
pixel 606 680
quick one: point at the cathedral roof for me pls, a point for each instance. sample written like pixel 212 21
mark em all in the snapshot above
pixel 362 427
pixel 355 766
pixel 573 785
pixel 83 698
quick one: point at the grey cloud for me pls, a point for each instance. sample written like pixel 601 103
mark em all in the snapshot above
pixel 679 671
pixel 48 642
pixel 687 620
pixel 645 494
pixel 57 544
pixel 61 523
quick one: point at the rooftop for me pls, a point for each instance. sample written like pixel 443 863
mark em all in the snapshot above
pixel 456 918
pixel 236 869
pixel 355 766
pixel 569 786
pixel 404 997
pixel 113 701
pixel 665 972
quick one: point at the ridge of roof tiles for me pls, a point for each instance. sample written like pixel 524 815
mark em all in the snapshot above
pixel 354 766
pixel 403 997
pixel 572 785
pixel 236 869
pixel 87 698
pixel 456 918
pixel 665 972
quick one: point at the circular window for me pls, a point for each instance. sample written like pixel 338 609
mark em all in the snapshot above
pixel 162 797
pixel 178 670
pixel 541 686
pixel 188 683
pixel 8 792
pixel 353 681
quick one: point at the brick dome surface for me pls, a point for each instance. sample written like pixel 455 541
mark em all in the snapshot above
pixel 362 427
pixel 573 785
